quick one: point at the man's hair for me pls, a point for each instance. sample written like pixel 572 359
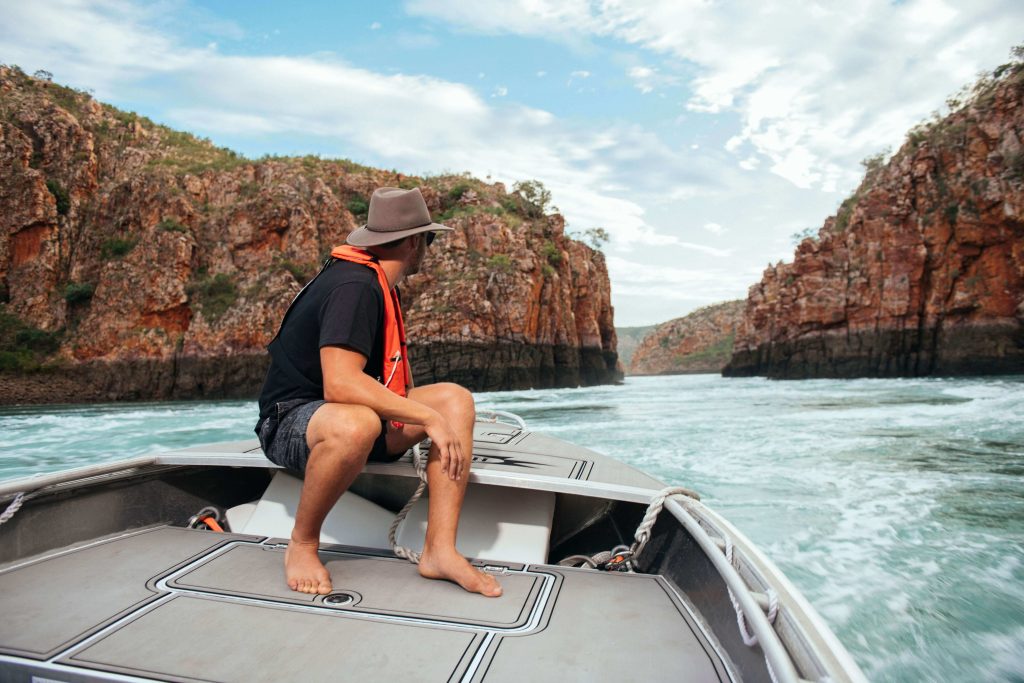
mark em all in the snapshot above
pixel 394 243
pixel 386 246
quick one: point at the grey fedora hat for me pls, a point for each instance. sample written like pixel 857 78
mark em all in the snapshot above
pixel 394 214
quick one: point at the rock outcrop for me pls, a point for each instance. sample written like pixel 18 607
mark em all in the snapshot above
pixel 138 262
pixel 700 342
pixel 921 272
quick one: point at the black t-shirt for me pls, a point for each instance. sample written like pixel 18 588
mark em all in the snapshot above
pixel 342 306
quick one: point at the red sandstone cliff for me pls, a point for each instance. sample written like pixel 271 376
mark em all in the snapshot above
pixel 140 262
pixel 700 342
pixel 921 271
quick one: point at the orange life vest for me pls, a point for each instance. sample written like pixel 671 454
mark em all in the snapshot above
pixel 397 376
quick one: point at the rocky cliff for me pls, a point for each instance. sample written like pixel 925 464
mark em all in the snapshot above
pixel 138 262
pixel 700 342
pixel 921 272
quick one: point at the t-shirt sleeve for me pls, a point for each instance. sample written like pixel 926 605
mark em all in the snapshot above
pixel 351 316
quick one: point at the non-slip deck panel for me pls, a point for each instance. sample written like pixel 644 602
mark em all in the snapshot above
pixel 608 627
pixel 189 638
pixel 48 604
pixel 386 586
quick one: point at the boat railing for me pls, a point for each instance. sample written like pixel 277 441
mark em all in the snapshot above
pixel 777 658
pixel 494 416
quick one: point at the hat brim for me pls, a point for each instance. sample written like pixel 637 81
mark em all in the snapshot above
pixel 365 237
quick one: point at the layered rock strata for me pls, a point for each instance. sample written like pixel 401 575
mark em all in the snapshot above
pixel 700 342
pixel 921 272
pixel 137 262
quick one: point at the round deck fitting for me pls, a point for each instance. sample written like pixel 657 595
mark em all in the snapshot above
pixel 339 599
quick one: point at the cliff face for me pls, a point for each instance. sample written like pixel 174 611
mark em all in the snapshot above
pixel 140 262
pixel 921 271
pixel 700 342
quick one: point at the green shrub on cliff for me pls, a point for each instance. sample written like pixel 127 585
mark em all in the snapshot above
pixel 215 295
pixel 60 195
pixel 551 252
pixel 117 247
pixel 171 225
pixel 500 262
pixel 456 192
pixel 535 199
pixel 358 206
pixel 24 348
pixel 301 273
pixel 78 292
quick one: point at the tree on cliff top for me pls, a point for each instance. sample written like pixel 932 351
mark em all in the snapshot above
pixel 536 198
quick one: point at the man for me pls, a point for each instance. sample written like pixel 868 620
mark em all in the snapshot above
pixel 339 392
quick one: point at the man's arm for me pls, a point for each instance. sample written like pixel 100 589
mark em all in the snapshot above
pixel 345 382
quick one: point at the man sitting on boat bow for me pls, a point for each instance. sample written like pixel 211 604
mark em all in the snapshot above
pixel 339 392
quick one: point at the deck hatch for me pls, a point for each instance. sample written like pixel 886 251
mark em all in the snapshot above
pixel 381 585
pixel 49 604
pixel 606 626
pixel 187 638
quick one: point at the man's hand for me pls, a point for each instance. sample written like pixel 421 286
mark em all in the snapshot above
pixel 448 445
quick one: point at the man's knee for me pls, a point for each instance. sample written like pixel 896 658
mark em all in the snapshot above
pixel 457 400
pixel 351 428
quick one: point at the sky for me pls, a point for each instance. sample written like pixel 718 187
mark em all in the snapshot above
pixel 701 135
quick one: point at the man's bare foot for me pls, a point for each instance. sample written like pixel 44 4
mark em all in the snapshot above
pixel 304 570
pixel 452 566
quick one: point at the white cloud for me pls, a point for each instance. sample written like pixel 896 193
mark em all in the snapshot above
pixel 641 78
pixel 752 162
pixel 552 18
pixel 375 26
pixel 698 286
pixel 647 79
pixel 714 228
pixel 542 74
pixel 817 89
pixel 500 91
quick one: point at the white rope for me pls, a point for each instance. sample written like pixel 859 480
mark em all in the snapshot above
pixel 13 507
pixel 421 470
pixel 625 556
pixel 491 417
pixel 643 532
pixel 749 639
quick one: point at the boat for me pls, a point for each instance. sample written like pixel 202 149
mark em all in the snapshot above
pixel 170 567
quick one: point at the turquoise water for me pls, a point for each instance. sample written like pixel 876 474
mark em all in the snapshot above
pixel 896 506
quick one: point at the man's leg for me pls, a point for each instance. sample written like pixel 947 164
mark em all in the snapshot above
pixel 440 558
pixel 339 438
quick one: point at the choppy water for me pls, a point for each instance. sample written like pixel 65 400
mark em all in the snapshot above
pixel 896 506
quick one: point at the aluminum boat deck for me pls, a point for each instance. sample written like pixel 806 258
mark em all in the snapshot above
pixel 180 604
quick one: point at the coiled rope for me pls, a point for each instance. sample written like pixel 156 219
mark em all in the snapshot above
pixel 12 508
pixel 421 470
